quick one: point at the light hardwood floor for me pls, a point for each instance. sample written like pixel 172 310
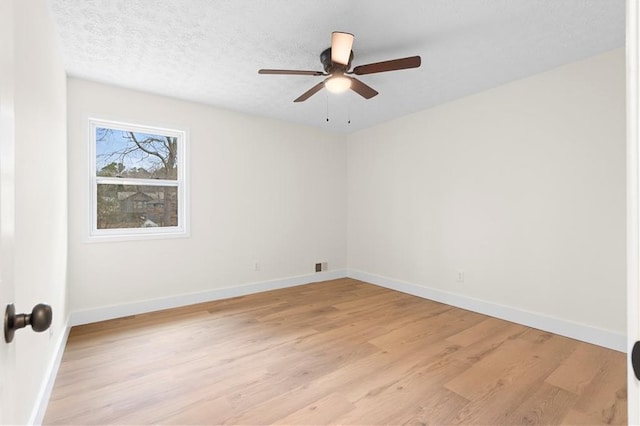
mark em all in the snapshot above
pixel 336 352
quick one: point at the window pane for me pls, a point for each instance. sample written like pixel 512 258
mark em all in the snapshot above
pixel 136 155
pixel 136 206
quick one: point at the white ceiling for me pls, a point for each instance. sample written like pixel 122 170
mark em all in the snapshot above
pixel 210 51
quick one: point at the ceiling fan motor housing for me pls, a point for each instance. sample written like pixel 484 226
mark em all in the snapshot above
pixel 331 67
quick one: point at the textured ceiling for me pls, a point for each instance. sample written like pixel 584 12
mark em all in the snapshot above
pixel 210 51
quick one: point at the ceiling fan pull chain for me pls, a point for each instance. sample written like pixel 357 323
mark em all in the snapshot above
pixel 327 107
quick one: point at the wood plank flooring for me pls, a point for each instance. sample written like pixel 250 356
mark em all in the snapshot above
pixel 336 352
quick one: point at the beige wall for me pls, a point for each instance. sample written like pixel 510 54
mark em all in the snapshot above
pixel 521 187
pixel 261 191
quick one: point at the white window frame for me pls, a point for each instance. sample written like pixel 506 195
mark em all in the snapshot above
pixel 124 234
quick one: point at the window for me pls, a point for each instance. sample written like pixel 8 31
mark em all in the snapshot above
pixel 138 185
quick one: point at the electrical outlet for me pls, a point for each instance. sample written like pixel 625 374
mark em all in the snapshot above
pixel 460 277
pixel 318 267
pixel 325 266
pixel 256 266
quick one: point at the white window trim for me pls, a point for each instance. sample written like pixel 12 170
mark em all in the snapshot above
pixel 132 234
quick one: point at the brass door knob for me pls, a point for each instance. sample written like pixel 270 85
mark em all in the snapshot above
pixel 39 319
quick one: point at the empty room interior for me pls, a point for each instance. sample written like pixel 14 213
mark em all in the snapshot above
pixel 299 212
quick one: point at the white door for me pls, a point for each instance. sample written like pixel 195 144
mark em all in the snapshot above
pixel 633 202
pixel 7 143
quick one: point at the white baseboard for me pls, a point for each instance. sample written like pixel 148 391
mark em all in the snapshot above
pixel 44 393
pixel 118 311
pixel 583 332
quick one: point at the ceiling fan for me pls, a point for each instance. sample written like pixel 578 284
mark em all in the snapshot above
pixel 336 61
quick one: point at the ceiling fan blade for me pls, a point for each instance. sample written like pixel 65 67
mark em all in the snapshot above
pixel 290 72
pixel 341 47
pixel 362 89
pixel 392 65
pixel 306 95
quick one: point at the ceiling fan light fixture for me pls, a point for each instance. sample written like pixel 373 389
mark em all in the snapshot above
pixel 338 84
pixel 336 61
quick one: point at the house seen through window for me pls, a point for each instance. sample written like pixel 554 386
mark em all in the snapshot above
pixel 138 181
